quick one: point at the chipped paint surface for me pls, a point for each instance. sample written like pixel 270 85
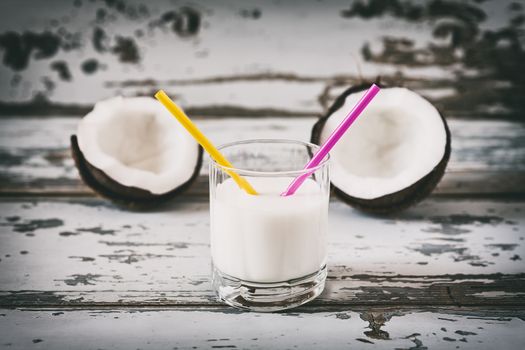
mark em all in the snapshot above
pixel 498 294
pixel 448 273
pixel 224 328
pixel 109 255
pixel 422 234
pixel 453 52
pixel 34 152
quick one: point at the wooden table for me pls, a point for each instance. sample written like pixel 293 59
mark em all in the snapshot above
pixel 78 272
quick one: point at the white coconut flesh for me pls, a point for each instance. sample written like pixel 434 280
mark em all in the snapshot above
pixel 395 142
pixel 137 143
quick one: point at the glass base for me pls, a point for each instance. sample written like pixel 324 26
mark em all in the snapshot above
pixel 267 297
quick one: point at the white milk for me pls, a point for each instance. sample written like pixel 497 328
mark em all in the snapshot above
pixel 268 238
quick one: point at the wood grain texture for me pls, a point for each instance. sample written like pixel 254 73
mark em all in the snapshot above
pixel 488 157
pixel 276 58
pixel 85 252
pixel 221 328
pixel 77 272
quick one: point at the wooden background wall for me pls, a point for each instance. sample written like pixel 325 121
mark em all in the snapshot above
pixel 260 69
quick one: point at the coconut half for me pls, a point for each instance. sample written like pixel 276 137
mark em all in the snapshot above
pixel 133 152
pixel 394 154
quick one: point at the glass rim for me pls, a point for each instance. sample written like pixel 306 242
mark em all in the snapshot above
pixel 293 173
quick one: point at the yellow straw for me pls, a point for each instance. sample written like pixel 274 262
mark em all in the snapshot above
pixel 179 114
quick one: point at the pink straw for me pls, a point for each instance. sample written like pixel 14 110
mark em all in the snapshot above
pixel 333 139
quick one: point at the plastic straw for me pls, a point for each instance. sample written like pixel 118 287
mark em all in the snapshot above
pixel 332 140
pixel 179 114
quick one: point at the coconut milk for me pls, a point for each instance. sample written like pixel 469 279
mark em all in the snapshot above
pixel 268 238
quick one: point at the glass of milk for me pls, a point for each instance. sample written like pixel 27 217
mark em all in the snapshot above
pixel 268 251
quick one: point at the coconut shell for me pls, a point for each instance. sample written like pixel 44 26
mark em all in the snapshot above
pixel 130 197
pixel 396 201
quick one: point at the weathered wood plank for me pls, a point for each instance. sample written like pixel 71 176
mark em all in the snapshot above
pixel 270 58
pixel 84 252
pixel 225 328
pixel 354 291
pixel 488 157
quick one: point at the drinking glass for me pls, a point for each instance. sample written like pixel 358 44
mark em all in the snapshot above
pixel 268 251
